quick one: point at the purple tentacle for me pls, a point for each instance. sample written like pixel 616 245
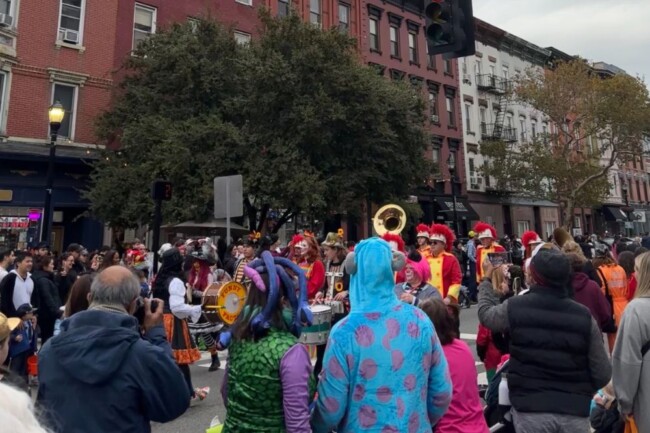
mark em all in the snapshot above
pixel 305 313
pixel 255 277
pixel 262 321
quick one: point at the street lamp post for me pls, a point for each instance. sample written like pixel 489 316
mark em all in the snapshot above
pixel 55 114
pixel 627 208
pixel 451 165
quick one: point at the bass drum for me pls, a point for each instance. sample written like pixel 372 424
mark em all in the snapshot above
pixel 222 302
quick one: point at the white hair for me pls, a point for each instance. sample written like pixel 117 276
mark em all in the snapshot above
pixel 17 411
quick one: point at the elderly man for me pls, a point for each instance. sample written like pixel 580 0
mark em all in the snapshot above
pixel 557 357
pixel 99 375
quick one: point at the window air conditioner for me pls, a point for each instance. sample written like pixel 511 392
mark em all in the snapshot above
pixel 435 118
pixel 6 20
pixel 70 36
pixel 467 79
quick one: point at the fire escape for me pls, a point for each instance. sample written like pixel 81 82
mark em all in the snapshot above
pixel 500 88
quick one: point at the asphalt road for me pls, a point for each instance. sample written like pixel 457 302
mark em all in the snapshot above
pixel 197 418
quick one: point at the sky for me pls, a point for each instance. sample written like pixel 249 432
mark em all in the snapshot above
pixel 613 31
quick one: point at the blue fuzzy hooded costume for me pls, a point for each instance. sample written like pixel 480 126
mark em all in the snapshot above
pixel 384 369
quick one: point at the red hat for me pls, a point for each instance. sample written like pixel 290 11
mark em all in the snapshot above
pixel 396 239
pixel 442 233
pixel 422 230
pixel 484 230
pixel 530 238
pixel 296 239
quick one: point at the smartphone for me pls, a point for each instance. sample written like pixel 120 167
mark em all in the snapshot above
pixel 498 259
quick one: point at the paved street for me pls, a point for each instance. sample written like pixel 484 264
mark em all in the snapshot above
pixel 198 417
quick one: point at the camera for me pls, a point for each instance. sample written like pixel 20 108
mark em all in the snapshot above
pixel 139 309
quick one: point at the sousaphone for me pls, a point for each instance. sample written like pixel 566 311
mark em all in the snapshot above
pixel 390 218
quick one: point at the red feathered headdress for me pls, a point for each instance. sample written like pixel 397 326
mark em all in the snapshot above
pixel 484 230
pixel 442 233
pixel 530 238
pixel 396 239
pixel 296 239
pixel 422 230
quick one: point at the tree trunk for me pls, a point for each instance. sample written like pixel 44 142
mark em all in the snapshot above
pixel 251 211
pixel 284 218
pixel 263 214
pixel 568 215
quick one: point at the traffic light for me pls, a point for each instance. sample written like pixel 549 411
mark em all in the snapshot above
pixel 449 27
pixel 161 190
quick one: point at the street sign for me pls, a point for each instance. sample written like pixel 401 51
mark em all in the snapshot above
pixel 228 199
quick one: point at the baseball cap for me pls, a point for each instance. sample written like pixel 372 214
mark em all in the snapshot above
pixel 7 325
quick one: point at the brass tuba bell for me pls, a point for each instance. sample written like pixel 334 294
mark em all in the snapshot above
pixel 389 219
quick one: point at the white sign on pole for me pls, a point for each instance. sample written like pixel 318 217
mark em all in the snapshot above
pixel 228 199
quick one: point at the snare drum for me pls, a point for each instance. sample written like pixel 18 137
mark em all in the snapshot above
pixel 222 303
pixel 317 333
pixel 337 307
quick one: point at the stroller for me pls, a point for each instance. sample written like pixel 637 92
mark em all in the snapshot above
pixel 498 417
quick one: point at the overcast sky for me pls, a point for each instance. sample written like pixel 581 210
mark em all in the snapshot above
pixel 615 32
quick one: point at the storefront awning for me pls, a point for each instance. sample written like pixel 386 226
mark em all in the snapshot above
pixel 612 213
pixel 463 209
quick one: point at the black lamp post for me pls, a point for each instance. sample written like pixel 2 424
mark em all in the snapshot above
pixel 55 113
pixel 627 208
pixel 451 166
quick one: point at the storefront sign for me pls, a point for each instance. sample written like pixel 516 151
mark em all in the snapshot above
pixel 639 216
pixel 6 195
pixel 14 222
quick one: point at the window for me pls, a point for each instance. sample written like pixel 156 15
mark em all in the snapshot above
pixel 67 96
pixel 450 110
pixel 5 7
pixel 71 21
pixel 413 47
pixel 314 12
pixel 374 33
pixel 468 117
pixel 549 227
pixel 477 68
pixel 245 2
pixel 344 17
pixel 522 128
pixel 3 82
pixel 492 70
pixel 433 106
pixel 144 23
pixel 545 129
pixel 435 155
pixel 522 226
pixel 483 119
pixel 448 67
pixel 194 23
pixel 533 129
pixel 472 167
pixel 242 38
pixel 283 7
pixel 506 74
pixel 394 41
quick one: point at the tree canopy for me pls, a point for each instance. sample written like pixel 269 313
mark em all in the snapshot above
pixel 595 124
pixel 295 112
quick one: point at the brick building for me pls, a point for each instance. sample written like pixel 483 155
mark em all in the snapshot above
pixel 71 51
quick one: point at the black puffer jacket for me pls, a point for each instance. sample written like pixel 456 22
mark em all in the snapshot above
pixel 46 296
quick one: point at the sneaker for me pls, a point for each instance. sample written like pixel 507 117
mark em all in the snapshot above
pixel 200 394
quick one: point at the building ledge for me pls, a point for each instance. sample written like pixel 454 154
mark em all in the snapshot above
pixel 61 44
pixel 63 76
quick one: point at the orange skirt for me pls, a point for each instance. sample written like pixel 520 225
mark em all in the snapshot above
pixel 178 335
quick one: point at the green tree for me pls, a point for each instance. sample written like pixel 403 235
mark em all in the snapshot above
pixel 296 113
pixel 596 124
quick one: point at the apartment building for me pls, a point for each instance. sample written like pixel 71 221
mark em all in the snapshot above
pixel 490 113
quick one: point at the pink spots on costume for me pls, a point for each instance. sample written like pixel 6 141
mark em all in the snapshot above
pixel 367 416
pixel 414 422
pixel 372 316
pixel 400 407
pixel 419 313
pixel 331 404
pixel 413 330
pixel 384 394
pixel 423 392
pixel 386 342
pixel 397 358
pixel 368 369
pixel 389 429
pixel 435 357
pixel 441 399
pixel 397 307
pixel 426 362
pixel 409 382
pixel 350 361
pixel 335 368
pixel 393 328
pixel 364 336
pixel 359 392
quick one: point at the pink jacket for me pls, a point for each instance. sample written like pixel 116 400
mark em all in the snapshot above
pixel 465 413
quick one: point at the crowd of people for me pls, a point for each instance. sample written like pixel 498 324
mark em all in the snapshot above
pixel 564 329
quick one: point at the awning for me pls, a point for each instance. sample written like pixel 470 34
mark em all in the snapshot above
pixel 612 213
pixel 463 209
pixel 210 224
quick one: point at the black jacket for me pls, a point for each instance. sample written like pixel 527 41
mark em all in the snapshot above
pixel 550 336
pixel 46 296
pixel 7 295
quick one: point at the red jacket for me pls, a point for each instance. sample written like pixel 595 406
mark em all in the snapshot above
pixel 488 352
pixel 445 274
pixel 315 273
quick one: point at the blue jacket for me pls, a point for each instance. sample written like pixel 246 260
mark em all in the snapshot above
pixel 27 344
pixel 99 375
pixel 384 369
